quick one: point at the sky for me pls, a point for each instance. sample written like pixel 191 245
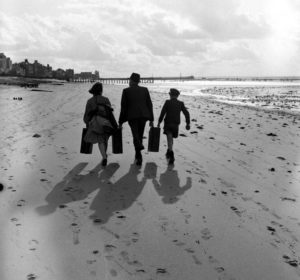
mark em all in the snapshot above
pixel 155 37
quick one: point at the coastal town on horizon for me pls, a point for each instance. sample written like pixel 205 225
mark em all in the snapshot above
pixel 38 70
pixel 25 69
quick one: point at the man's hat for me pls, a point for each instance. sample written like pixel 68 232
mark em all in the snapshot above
pixel 135 77
pixel 96 88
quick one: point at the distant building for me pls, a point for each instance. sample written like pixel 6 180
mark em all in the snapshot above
pixel 38 70
pixel 59 74
pixel 17 70
pixel 86 75
pixel 28 67
pixel 48 71
pixel 96 75
pixel 69 74
pixel 5 64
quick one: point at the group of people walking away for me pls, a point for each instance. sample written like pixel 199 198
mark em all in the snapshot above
pixel 136 109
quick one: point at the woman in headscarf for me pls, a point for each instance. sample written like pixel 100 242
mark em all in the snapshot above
pixel 99 119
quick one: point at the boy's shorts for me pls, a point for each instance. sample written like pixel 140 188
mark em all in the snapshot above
pixel 171 128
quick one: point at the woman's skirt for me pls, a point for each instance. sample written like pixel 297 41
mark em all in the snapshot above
pixel 97 130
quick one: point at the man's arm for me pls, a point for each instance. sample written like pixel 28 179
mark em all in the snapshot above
pixel 149 105
pixel 122 117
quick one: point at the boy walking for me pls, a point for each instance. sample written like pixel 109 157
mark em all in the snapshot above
pixel 170 113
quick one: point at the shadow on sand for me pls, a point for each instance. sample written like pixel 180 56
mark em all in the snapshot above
pixel 112 197
pixel 118 196
pixel 75 187
pixel 169 186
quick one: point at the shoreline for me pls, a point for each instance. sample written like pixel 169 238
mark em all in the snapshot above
pixel 17 81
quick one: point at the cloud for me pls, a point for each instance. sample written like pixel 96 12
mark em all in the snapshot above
pixel 220 20
pixel 120 36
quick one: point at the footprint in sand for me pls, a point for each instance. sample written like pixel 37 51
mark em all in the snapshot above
pixel 21 203
pixel 196 260
pixel 126 258
pixel 189 250
pixel 31 276
pixel 15 220
pixel 33 244
pixel 161 271
pixel 206 234
pixel 236 211
pixel 178 243
pixel 108 248
pixel 288 199
pixel 135 238
pixel 288 260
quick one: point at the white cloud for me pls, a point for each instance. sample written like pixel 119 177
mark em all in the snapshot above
pixel 154 36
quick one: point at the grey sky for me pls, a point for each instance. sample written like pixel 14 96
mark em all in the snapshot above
pixel 192 37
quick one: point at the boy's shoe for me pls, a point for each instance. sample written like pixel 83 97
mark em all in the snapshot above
pixel 171 157
pixel 168 154
pixel 104 162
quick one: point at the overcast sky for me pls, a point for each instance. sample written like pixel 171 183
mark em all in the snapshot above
pixel 155 37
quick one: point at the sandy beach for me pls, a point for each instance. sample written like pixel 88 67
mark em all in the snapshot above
pixel 228 209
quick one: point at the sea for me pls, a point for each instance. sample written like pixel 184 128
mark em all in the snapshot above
pixel 272 95
pixel 280 95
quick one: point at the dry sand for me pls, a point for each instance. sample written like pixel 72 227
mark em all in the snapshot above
pixel 228 209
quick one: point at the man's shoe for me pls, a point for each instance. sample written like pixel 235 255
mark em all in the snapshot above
pixel 104 162
pixel 171 157
pixel 138 162
pixel 138 158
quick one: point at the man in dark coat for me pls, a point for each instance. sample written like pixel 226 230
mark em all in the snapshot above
pixel 137 109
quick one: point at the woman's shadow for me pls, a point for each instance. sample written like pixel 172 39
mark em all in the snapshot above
pixel 75 187
pixel 117 196
pixel 169 186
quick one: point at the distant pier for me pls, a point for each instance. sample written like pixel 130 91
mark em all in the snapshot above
pixel 145 80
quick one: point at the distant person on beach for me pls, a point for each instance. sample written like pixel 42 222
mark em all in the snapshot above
pixel 137 109
pixel 170 113
pixel 99 119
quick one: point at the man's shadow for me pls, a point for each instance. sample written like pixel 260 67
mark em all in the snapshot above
pixel 169 186
pixel 117 196
pixel 75 187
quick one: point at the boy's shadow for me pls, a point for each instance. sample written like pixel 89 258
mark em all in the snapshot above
pixel 169 186
pixel 117 196
pixel 75 187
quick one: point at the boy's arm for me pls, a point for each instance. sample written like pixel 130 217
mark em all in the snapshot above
pixel 187 115
pixel 162 113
